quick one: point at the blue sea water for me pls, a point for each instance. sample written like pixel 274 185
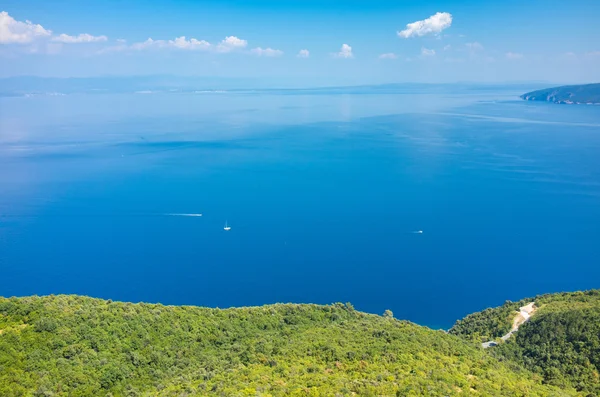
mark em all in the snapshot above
pixel 323 193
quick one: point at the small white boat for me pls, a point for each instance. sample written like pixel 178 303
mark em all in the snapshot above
pixel 227 228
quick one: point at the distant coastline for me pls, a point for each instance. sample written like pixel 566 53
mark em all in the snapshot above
pixel 586 94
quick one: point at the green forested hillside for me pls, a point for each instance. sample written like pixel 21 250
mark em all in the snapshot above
pixel 561 342
pixel 494 322
pixel 488 324
pixel 77 346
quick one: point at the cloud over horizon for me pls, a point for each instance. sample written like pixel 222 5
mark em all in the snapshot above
pixel 266 52
pixel 514 55
pixel 17 32
pixel 71 42
pixel 82 38
pixel 191 44
pixel 345 52
pixel 179 42
pixel 388 55
pixel 432 25
pixel 34 38
pixel 231 43
pixel 427 52
pixel 474 46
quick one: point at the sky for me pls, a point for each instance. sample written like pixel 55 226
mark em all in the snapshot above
pixel 305 42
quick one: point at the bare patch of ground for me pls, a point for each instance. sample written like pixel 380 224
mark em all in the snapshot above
pixel 524 314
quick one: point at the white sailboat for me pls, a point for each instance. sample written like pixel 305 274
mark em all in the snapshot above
pixel 227 228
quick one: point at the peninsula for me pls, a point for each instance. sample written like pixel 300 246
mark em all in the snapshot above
pixel 588 94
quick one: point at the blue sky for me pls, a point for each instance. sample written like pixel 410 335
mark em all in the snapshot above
pixel 345 42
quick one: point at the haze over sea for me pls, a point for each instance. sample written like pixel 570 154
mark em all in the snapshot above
pixel 323 191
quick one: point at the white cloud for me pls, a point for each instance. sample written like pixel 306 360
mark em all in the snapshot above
pixel 191 44
pixel 345 52
pixel 17 32
pixel 427 52
pixel 231 43
pixel 447 47
pixel 266 52
pixel 149 43
pixel 388 55
pixel 432 25
pixel 303 54
pixel 475 46
pixel 234 41
pixel 13 31
pixel 593 53
pixel 180 43
pixel 82 38
pixel 514 55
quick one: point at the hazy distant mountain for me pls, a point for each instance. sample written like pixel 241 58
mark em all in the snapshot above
pixel 568 94
pixel 21 85
pixel 32 85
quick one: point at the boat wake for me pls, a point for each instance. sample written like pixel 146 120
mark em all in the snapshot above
pixel 192 215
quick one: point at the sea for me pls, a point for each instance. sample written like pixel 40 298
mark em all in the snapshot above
pixel 430 203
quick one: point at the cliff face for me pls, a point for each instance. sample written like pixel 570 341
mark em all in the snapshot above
pixel 568 94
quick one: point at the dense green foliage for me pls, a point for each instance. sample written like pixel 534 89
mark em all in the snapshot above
pixel 587 93
pixel 76 346
pixel 563 346
pixel 492 323
pixel 561 342
pixel 488 324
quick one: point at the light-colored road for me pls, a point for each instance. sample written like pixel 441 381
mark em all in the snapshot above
pixel 525 313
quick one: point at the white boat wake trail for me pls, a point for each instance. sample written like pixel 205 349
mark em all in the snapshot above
pixel 192 215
